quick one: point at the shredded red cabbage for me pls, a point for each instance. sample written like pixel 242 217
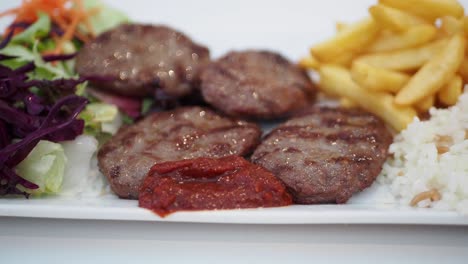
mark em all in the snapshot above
pixel 26 117
pixel 8 37
pixel 60 57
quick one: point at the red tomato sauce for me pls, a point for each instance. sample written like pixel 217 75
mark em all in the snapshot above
pixel 208 183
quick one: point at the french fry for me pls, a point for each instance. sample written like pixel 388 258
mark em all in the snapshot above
pixel 435 73
pixel 309 63
pixel 398 62
pixel 450 25
pixel 404 60
pixel 428 9
pixel 463 70
pixel 394 19
pixel 425 104
pixel 344 59
pixel 414 36
pixel 337 80
pixel 351 39
pixel 450 92
pixel 465 25
pixel 347 103
pixel 377 79
pixel 339 26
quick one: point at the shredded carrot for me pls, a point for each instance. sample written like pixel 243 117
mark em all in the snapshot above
pixel 9 12
pixel 80 5
pixel 81 36
pixel 66 14
pixel 69 32
pixel 60 21
pixel 89 27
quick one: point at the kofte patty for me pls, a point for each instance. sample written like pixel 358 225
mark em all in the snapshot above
pixel 255 84
pixel 326 155
pixel 185 133
pixel 134 60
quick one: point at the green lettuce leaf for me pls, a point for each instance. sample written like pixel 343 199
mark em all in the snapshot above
pixel 102 112
pixel 100 118
pixel 106 18
pixel 37 30
pixel 44 166
pixel 46 70
pixel 19 51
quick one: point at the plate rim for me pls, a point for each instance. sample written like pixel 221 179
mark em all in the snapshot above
pixel 289 215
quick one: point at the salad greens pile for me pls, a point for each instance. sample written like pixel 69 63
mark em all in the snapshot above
pixel 43 102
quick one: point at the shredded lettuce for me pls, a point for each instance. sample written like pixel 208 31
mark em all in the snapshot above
pixel 107 17
pixel 102 112
pixel 49 71
pixel 43 70
pixel 19 51
pixel 146 105
pixel 78 177
pixel 44 166
pixel 24 47
pixel 37 30
pixel 101 118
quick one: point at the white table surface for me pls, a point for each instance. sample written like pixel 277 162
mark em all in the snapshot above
pixel 33 240
pixel 286 26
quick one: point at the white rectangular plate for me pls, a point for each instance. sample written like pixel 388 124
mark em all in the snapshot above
pixel 288 27
pixel 117 209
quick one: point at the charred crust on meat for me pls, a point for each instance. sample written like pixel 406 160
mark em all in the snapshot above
pixel 114 172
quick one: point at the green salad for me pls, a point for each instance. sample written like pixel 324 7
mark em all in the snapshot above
pixel 43 102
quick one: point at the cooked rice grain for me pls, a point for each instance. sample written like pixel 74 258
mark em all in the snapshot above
pixel 432 155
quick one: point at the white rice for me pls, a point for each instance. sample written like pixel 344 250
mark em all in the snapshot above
pixel 418 165
pixel 82 178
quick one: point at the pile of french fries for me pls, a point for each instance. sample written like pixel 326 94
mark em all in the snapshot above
pixel 407 56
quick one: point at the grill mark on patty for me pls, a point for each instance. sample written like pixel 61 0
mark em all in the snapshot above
pixel 304 132
pixel 323 111
pixel 223 72
pixel 333 121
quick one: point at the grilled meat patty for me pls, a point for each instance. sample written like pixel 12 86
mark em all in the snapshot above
pixel 255 84
pixel 325 155
pixel 134 60
pixel 185 133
